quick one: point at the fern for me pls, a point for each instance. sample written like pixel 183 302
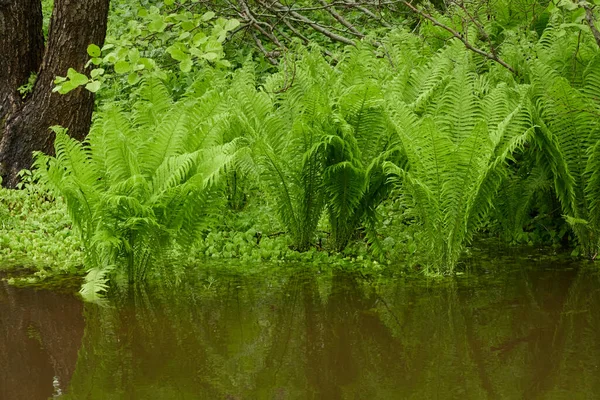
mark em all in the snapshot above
pixel 96 285
pixel 567 109
pixel 318 150
pixel 456 156
pixel 138 185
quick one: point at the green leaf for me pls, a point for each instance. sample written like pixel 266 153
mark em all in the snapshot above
pixel 67 87
pixel 582 27
pixel 575 252
pixel 157 24
pixel 196 52
pixel 208 16
pixel 186 65
pixel 568 5
pixel 97 72
pixel 214 46
pixel 93 50
pixel 231 24
pixel 188 26
pixel 111 58
pixel 222 36
pixel 122 67
pixel 148 63
pixel 76 78
pixel 169 2
pixel 199 38
pixel 210 56
pixel 122 53
pixel 575 221
pixel 133 78
pixel 177 53
pixel 93 86
pixel 133 55
pixel 578 15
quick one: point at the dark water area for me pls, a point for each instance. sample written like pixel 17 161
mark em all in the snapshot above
pixel 520 328
pixel 40 336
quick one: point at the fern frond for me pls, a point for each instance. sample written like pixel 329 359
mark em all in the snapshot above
pixel 96 285
pixel 168 140
pixel 154 103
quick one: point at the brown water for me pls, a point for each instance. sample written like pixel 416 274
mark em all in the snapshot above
pixel 531 332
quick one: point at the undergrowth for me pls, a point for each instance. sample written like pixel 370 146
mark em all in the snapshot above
pixel 35 231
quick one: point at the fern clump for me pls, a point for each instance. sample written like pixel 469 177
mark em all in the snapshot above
pixel 566 113
pixel 138 185
pixel 323 142
pixel 319 151
pixel 456 136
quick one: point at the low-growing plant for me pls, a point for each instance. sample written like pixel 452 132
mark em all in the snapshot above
pixel 35 230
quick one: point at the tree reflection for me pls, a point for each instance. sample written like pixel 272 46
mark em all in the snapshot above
pixel 40 334
pixel 296 334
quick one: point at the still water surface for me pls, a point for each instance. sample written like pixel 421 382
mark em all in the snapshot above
pixel 529 332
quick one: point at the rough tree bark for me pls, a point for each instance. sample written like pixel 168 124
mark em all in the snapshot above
pixel 25 122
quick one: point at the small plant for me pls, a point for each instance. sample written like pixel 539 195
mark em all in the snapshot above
pixel 27 88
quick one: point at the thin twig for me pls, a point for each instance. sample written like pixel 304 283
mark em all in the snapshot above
pixel 461 37
pixel 341 19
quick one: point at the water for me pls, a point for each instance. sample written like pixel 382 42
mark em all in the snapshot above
pixel 530 332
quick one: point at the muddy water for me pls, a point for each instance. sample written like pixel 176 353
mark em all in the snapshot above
pixel 40 336
pixel 530 332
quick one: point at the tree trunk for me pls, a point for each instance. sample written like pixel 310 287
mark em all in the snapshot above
pixel 21 49
pixel 24 123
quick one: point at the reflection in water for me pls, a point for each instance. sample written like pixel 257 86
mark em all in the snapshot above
pixel 40 334
pixel 531 333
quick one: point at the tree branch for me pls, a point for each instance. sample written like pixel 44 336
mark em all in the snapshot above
pixel 341 19
pixel 317 27
pixel 591 21
pixel 459 36
pixel 368 12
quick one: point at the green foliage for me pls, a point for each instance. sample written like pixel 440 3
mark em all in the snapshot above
pixel 527 210
pixel 35 231
pixel 288 152
pixel 402 149
pixel 354 179
pixel 47 6
pixel 567 115
pixel 317 149
pixel 154 39
pixel 27 88
pixel 137 185
pixel 456 143
pixel 73 80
